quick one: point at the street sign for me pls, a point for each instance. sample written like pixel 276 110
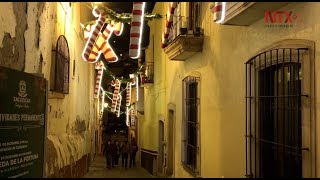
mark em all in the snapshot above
pixel 22 124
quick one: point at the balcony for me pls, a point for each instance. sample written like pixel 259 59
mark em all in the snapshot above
pixel 185 39
pixel 183 47
pixel 246 13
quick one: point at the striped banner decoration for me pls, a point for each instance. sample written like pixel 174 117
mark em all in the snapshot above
pixel 169 19
pixel 119 105
pixel 102 43
pixel 115 97
pixel 127 116
pixel 98 42
pixel 218 10
pixel 99 66
pixel 94 34
pixel 129 92
pixel 102 99
pixel 102 104
pixel 136 29
pixel 133 117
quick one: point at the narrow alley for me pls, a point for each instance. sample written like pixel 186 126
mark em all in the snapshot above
pixel 179 89
pixel 98 170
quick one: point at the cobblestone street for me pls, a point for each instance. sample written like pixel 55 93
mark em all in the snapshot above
pixel 98 170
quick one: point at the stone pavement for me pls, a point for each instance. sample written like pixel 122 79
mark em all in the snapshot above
pixel 98 170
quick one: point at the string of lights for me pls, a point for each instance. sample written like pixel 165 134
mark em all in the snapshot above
pixel 120 17
pixel 107 94
pixel 94 34
pixel 121 79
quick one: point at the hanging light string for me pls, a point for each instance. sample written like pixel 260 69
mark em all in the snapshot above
pixel 119 17
pixel 123 18
pixel 108 108
pixel 121 79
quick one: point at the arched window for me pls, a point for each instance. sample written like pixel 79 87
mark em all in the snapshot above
pixel 190 151
pixel 60 66
pixel 279 91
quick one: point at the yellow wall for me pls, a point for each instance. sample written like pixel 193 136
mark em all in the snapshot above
pixel 71 119
pixel 222 89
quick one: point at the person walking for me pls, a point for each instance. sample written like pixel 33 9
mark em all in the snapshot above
pixel 107 153
pixel 133 151
pixel 124 154
pixel 113 153
pixel 117 146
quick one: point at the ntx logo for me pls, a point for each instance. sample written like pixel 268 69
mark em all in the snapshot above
pixel 281 18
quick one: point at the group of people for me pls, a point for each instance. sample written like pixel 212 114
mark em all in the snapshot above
pixel 113 150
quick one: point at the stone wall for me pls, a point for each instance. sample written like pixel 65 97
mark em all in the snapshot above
pixel 28 34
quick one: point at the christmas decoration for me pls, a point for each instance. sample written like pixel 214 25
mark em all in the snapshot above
pixel 99 66
pixel 119 105
pixel 136 29
pixel 94 33
pixel 120 17
pixel 102 95
pixel 128 93
pixel 121 79
pixel 116 83
pixel 98 42
pixel 218 10
pixel 127 117
pixel 133 116
pixel 169 19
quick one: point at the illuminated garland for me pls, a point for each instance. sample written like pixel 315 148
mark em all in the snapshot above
pixel 121 92
pixel 123 17
pixel 219 10
pixel 133 117
pixel 136 29
pixel 127 116
pixel 96 41
pixel 121 79
pixel 107 93
pixel 108 108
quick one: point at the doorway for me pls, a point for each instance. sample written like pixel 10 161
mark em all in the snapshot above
pixel 170 147
pixel 161 162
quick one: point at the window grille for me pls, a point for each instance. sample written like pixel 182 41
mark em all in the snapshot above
pixel 61 72
pixel 274 113
pixel 190 127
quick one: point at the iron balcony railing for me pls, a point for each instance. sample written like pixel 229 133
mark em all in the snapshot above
pixel 186 25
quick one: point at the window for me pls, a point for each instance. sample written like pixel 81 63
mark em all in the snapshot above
pixel 188 23
pixel 190 125
pixel 277 144
pixel 60 66
pixel 194 16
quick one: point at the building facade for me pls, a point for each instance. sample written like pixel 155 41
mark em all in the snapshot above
pixel 46 39
pixel 236 98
